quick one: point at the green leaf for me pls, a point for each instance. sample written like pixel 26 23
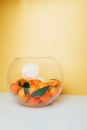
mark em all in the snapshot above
pixel 26 90
pixel 26 86
pixel 40 92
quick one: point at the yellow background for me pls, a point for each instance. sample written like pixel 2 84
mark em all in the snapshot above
pixel 55 28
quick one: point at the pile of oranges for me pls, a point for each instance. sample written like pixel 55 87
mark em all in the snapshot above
pixel 35 91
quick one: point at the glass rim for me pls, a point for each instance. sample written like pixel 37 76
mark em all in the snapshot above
pixel 35 57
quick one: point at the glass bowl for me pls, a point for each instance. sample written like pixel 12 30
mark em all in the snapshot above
pixel 35 81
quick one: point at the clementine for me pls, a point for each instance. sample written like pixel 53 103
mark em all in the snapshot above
pixel 45 98
pixel 21 95
pixel 34 101
pixel 42 84
pixel 32 89
pixel 14 88
pixel 53 91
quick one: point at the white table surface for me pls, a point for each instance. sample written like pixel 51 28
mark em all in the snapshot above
pixel 66 113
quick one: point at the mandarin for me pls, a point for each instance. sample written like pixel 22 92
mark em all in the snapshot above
pixel 45 98
pixel 36 81
pixel 42 84
pixel 21 95
pixel 32 89
pixel 56 82
pixel 34 101
pixel 53 91
pixel 14 88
